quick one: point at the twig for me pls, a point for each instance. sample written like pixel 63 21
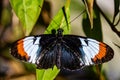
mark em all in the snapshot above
pixel 109 22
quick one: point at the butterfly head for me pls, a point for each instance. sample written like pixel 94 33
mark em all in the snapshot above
pixel 60 32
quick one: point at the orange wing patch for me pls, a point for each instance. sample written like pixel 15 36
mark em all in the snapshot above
pixel 101 53
pixel 21 50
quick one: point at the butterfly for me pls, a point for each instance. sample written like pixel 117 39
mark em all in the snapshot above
pixel 69 52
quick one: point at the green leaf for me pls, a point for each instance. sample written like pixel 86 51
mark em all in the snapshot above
pixel 59 21
pixel 96 31
pixel 89 8
pixel 28 12
pixel 48 74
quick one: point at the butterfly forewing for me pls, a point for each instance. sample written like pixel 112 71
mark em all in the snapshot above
pixel 23 49
pixel 29 48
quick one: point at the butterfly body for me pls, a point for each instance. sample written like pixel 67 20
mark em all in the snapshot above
pixel 65 51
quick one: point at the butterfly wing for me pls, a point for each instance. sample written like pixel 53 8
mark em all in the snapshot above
pixel 30 48
pixel 70 57
pixel 83 51
pixel 48 55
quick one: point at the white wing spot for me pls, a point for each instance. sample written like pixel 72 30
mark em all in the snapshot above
pixel 89 50
pixel 31 48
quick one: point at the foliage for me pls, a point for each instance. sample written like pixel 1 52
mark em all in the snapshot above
pixel 28 12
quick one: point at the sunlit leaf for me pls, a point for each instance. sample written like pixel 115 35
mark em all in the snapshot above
pixel 28 12
pixel 89 8
pixel 96 31
pixel 59 21
pixel 48 74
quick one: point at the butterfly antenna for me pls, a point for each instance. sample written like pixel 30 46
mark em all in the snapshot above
pixel 76 17
pixel 73 18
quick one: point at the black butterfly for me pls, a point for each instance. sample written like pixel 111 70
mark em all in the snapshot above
pixel 65 51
